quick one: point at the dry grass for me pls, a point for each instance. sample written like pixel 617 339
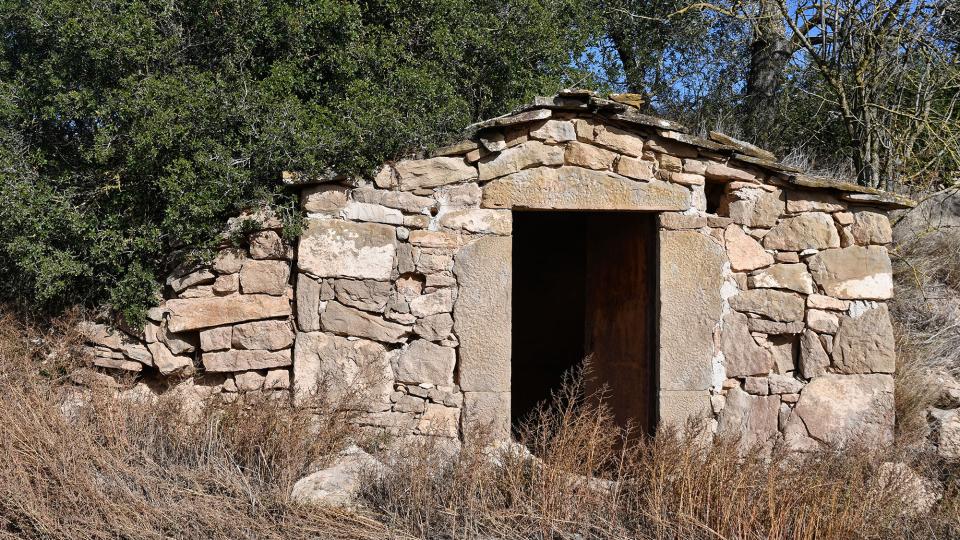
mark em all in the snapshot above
pixel 110 469
pixel 663 487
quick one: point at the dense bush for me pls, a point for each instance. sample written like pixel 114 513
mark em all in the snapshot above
pixel 132 128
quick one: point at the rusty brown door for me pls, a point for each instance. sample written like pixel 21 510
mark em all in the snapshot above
pixel 620 314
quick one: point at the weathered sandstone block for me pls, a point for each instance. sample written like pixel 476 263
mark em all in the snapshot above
pixel 814 360
pixel 439 421
pixel 479 220
pixel 793 277
pixel 745 253
pixel 752 418
pixel 814 230
pixel 871 228
pixel 691 276
pixel 431 304
pixel 216 339
pixel 267 245
pixel 590 157
pixel 810 201
pixel 524 156
pixel 234 360
pixel 865 344
pixel 339 367
pixel 308 303
pixel 368 295
pixel 335 248
pixel 265 277
pixel 265 335
pixel 425 362
pixel 482 316
pixel 486 414
pixel 428 173
pixel 194 314
pixel 842 409
pixel 576 188
pixel 341 319
pixel 854 272
pixel 618 140
pixel 773 304
pixel 742 356
pixel 371 212
pixel 677 407
pixel 554 131
pixel 755 207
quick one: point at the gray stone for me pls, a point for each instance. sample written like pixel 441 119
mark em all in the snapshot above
pixel 368 295
pixel 792 277
pixel 512 160
pixel 691 276
pixel 842 409
pixel 479 220
pixel 425 362
pixel 400 200
pixel 486 415
pixel 678 407
pixel 341 319
pixel 813 201
pixel 335 248
pixel 228 261
pixel 482 316
pixel 751 418
pixel 264 335
pixel 813 358
pixel 773 304
pixel 194 314
pixel 342 370
pixel 324 198
pixel 199 277
pixel 576 188
pixel 248 381
pixel 245 360
pixel 865 344
pixel 308 303
pixel 756 207
pixel 434 327
pixel 216 339
pixel 267 245
pixel 554 131
pixel 871 228
pixel 765 326
pixel 265 277
pixel 370 212
pixel 784 384
pixel 337 485
pixel 425 305
pixel 814 230
pixel 854 272
pixel 277 379
pixel 743 356
pixel 434 172
pixel 758 386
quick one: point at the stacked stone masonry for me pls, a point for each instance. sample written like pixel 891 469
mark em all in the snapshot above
pixel 772 316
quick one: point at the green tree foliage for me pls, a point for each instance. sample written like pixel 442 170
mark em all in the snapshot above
pixel 130 129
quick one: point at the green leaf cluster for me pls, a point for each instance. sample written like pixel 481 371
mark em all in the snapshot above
pixel 131 129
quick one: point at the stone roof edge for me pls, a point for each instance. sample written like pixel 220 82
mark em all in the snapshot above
pixel 576 100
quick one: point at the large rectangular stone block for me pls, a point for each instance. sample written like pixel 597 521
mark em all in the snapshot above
pixel 676 407
pixel 486 414
pixel 691 277
pixel 196 313
pixel 337 248
pixel 482 313
pixel 576 188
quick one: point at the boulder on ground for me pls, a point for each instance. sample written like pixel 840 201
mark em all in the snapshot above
pixel 338 484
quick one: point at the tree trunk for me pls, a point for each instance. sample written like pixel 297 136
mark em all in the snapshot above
pixel 770 51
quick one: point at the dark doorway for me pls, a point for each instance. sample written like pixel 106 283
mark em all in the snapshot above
pixel 584 284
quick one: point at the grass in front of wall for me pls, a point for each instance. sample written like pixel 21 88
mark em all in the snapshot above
pixel 94 467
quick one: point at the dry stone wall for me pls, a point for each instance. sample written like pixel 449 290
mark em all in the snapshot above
pixel 228 323
pixel 772 315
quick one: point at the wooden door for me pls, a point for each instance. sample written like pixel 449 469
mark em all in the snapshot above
pixel 620 312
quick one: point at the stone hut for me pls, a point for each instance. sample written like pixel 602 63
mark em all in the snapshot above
pixel 703 279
